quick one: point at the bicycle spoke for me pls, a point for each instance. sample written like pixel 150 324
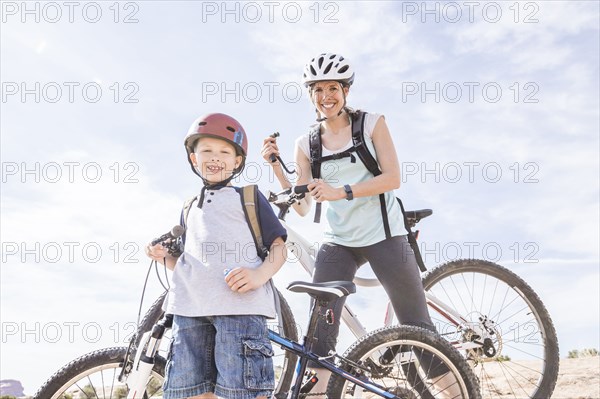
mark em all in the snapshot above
pixel 514 314
pixel 511 379
pixel 518 350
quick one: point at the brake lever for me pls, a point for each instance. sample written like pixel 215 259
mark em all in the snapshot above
pixel 275 158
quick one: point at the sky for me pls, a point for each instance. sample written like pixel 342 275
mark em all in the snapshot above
pixel 493 108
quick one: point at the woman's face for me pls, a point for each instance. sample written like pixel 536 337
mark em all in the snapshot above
pixel 328 97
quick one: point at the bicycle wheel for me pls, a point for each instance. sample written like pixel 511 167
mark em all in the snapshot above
pixel 519 357
pixel 284 361
pixel 95 376
pixel 407 361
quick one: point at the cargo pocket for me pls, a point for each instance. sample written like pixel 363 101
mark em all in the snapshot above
pixel 258 365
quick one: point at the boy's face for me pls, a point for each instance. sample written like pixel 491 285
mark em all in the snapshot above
pixel 216 159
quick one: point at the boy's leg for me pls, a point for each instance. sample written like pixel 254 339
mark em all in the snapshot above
pixel 190 368
pixel 243 357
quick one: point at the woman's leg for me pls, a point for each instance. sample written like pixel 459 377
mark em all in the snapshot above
pixel 393 262
pixel 334 262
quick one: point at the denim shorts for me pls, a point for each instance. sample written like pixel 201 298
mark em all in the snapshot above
pixel 228 355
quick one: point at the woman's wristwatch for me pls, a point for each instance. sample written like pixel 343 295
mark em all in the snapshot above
pixel 348 190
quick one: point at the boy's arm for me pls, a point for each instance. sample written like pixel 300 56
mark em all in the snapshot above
pixel 242 279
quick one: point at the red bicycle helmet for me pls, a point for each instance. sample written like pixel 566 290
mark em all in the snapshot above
pixel 220 126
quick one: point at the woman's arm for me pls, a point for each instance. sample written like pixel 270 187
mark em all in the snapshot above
pixel 388 180
pixel 302 169
pixel 304 177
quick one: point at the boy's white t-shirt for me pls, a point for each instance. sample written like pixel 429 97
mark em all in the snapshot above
pixel 218 238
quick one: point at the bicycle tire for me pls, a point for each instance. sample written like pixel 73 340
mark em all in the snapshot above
pixel 99 367
pixel 500 375
pixel 417 345
pixel 290 331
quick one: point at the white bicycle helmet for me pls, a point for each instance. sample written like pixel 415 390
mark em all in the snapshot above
pixel 328 66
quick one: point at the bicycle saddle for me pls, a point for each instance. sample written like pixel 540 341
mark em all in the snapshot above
pixel 416 216
pixel 420 214
pixel 324 291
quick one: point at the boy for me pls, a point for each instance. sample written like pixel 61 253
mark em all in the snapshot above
pixel 220 294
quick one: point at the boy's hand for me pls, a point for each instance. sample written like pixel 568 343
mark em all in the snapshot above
pixel 243 280
pixel 157 252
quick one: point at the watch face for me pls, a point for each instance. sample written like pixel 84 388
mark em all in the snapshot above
pixel 348 192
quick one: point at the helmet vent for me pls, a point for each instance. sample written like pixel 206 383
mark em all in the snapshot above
pixel 326 71
pixel 320 62
pixel 343 69
pixel 312 70
pixel 231 129
pixel 341 58
pixel 202 123
pixel 332 56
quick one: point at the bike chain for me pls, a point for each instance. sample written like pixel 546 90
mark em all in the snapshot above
pixel 303 395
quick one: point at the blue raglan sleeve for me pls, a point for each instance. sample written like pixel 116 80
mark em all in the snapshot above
pixel 270 225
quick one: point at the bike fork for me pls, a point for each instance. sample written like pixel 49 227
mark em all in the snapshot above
pixel 144 358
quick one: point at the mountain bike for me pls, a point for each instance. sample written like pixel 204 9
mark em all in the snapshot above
pixel 488 313
pixel 395 362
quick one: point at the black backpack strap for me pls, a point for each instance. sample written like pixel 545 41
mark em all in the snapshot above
pixel 316 152
pixel 358 139
pixel 249 198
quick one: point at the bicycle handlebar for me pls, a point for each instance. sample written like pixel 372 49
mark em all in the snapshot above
pixel 286 198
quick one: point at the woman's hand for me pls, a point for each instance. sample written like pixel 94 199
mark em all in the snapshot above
pixel 243 280
pixel 322 191
pixel 270 148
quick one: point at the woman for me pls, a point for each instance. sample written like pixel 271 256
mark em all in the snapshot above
pixel 356 212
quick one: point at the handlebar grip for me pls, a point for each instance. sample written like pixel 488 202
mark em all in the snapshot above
pixel 301 189
pixel 273 158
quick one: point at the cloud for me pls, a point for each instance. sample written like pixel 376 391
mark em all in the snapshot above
pixel 171 52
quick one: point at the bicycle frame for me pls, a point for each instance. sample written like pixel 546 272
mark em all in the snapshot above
pixel 304 356
pixel 301 249
pixel 150 343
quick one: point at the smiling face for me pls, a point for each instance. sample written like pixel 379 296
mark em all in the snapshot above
pixel 215 159
pixel 328 97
